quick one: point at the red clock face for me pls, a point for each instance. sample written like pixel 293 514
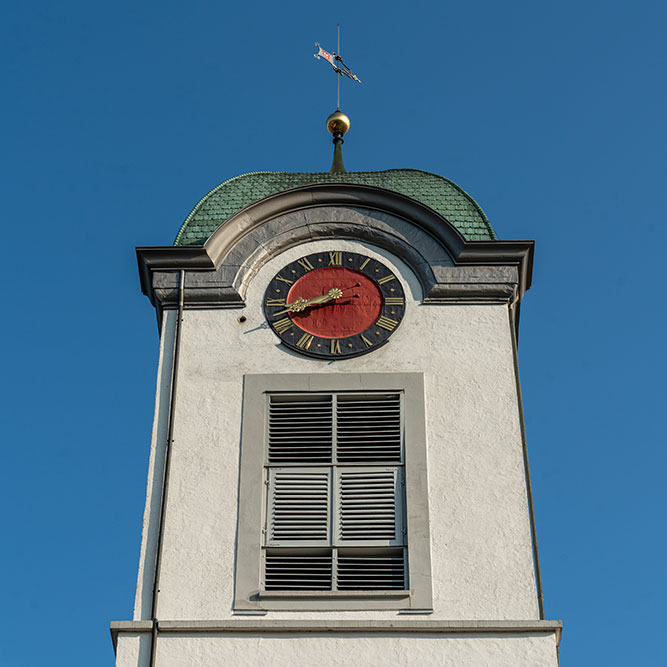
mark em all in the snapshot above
pixel 334 304
pixel 352 313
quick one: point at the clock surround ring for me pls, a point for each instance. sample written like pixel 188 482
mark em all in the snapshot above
pixel 367 307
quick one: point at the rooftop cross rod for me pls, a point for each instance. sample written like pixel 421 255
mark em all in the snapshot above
pixel 338 64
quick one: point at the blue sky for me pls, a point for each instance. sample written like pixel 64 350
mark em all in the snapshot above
pixel 119 116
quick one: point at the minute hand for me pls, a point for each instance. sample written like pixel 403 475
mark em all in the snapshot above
pixel 301 304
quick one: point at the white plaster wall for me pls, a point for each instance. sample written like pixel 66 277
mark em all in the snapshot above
pixel 480 536
pixel 143 598
pixel 133 650
pixel 373 651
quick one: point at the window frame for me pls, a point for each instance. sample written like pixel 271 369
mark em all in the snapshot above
pixel 248 596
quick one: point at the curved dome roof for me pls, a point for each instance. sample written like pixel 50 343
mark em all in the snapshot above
pixel 436 192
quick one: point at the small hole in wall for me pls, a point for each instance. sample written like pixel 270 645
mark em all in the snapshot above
pixel 242 319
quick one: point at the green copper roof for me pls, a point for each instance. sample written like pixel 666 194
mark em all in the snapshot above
pixel 434 191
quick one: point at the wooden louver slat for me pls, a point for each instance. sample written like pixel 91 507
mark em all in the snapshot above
pixel 368 428
pixel 371 571
pixel 335 510
pixel 368 507
pixel 298 571
pixel 300 429
pixel 299 505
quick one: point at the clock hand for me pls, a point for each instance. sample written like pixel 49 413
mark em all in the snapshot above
pixel 333 294
pixel 301 303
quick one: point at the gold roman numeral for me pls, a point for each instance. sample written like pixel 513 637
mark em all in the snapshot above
pixel 289 282
pixel 305 341
pixel 305 263
pixel 368 259
pixel 394 301
pixel 387 323
pixel 368 343
pixel 281 326
pixel 335 346
pixel 386 279
pixel 272 303
pixel 335 258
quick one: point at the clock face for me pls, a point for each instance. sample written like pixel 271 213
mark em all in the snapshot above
pixel 334 304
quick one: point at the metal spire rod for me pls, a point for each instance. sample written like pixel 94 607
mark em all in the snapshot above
pixel 339 66
pixel 338 73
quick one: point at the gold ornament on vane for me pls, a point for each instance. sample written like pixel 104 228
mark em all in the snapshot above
pixel 338 123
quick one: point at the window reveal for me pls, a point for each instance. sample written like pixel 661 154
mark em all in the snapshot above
pixel 347 557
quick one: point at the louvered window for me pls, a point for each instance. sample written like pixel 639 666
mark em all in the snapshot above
pixel 335 492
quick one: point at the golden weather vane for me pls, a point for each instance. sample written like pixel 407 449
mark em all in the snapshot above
pixel 337 123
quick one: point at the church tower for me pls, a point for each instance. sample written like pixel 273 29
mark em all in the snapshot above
pixel 338 471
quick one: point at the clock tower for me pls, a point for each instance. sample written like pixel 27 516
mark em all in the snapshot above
pixel 338 470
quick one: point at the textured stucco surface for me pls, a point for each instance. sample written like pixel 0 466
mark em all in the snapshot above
pixel 374 651
pixel 143 599
pixel 133 650
pixel 480 536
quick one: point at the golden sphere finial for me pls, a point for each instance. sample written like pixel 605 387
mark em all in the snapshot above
pixel 338 123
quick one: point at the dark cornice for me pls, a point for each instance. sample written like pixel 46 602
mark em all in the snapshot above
pixel 472 253
pixel 228 251
pixel 169 258
pixel 489 253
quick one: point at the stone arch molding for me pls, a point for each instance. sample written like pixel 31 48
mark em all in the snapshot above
pixel 420 255
pixel 218 274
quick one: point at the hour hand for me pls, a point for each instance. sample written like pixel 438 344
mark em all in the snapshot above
pixel 293 307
